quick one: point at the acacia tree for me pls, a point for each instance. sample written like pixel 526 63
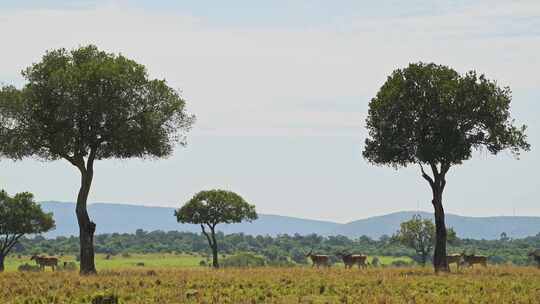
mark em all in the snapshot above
pixel 209 208
pixel 20 215
pixel 419 234
pixel 85 105
pixel 428 114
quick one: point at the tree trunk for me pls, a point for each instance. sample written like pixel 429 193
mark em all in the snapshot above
pixel 438 183
pixel 86 227
pixel 215 262
pixel 440 262
pixel 2 263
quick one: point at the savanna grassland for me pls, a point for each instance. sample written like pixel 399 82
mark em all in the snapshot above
pixel 157 260
pixel 498 284
pixel 120 262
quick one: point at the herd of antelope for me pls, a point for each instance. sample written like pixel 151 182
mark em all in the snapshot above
pixel 349 260
pixel 360 260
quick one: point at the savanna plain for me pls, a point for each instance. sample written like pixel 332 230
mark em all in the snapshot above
pixel 170 279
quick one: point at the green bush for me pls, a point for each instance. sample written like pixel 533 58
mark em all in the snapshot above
pixel 244 259
pixel 28 268
pixel 67 266
pixel 400 263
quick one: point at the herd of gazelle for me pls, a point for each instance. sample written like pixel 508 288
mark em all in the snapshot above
pixel 349 260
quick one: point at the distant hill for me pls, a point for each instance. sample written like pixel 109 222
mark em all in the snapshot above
pixel 123 218
pixel 466 227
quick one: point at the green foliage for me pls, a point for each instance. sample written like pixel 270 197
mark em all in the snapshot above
pixel 209 208
pixel 87 102
pixel 419 234
pixel 428 113
pixel 20 215
pixel 67 266
pixel 215 207
pixel 243 259
pixel 28 268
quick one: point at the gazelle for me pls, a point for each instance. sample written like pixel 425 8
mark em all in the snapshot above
pixel 536 255
pixel 353 259
pixel 318 259
pixel 43 261
pixel 454 258
pixel 472 259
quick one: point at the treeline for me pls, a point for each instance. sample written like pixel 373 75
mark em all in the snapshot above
pixel 282 249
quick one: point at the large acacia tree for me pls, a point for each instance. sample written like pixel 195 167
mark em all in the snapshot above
pixel 430 115
pixel 20 215
pixel 85 105
pixel 213 207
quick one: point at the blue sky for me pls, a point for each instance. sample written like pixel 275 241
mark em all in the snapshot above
pixel 281 89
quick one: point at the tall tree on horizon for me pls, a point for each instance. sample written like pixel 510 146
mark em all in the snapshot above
pixel 85 105
pixel 213 207
pixel 429 115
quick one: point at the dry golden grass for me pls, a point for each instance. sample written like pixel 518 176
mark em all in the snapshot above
pixel 277 285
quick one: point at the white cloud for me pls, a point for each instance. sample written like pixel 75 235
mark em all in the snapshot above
pixel 290 83
pixel 248 78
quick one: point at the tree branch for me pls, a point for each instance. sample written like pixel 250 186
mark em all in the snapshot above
pixel 3 243
pixel 7 243
pixel 425 175
pixel 91 158
pixel 207 236
pixel 435 171
pixel 14 241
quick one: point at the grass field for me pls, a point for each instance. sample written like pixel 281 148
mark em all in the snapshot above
pixel 276 285
pixel 118 261
pixel 152 261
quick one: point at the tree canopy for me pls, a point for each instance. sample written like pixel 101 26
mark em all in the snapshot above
pixel 214 207
pixel 20 215
pixel 209 208
pixel 85 105
pixel 89 103
pixel 428 114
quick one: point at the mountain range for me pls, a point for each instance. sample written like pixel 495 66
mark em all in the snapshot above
pixel 125 218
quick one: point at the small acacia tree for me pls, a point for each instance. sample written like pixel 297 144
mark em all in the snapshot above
pixel 419 234
pixel 85 105
pixel 428 114
pixel 209 208
pixel 20 215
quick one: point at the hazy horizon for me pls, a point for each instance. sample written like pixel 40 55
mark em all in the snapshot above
pixel 281 92
pixel 305 218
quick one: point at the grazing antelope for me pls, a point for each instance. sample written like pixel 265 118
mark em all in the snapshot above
pixel 454 258
pixel 318 259
pixel 43 261
pixel 472 259
pixel 353 259
pixel 536 255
